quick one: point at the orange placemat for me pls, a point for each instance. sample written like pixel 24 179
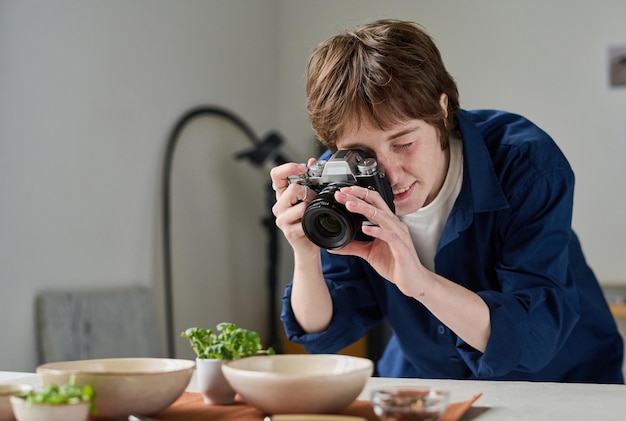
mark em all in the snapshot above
pixel 191 407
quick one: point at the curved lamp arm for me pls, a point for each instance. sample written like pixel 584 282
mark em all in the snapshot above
pixel 258 154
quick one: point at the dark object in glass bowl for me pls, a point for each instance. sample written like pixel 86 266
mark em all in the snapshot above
pixel 410 404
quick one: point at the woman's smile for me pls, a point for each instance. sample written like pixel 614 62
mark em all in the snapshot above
pixel 402 193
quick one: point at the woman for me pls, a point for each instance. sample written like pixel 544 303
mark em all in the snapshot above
pixel 478 271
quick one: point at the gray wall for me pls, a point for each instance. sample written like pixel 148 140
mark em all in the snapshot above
pixel 91 89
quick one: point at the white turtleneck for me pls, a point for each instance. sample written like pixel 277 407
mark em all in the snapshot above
pixel 427 223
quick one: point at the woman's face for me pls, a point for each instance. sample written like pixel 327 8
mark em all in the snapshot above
pixel 411 155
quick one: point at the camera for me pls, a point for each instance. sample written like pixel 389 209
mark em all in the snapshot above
pixel 326 222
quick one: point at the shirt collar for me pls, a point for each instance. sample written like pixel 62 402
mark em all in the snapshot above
pixel 479 175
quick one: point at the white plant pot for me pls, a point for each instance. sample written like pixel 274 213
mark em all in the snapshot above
pixel 212 384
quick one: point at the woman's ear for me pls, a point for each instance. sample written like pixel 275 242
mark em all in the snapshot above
pixel 443 103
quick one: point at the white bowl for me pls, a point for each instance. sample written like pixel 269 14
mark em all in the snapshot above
pixel 125 386
pixel 6 391
pixel 299 383
pixel 24 411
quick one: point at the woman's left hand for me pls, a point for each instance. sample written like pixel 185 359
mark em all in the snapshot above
pixel 391 253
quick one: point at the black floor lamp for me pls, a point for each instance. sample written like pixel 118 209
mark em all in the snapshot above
pixel 262 152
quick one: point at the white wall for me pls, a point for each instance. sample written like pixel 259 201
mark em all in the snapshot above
pixel 89 91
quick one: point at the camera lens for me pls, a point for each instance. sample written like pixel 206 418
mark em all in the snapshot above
pixel 327 223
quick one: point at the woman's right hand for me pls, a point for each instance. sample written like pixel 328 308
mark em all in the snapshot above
pixel 291 201
pixel 310 299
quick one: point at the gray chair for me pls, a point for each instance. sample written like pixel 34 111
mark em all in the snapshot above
pixel 105 323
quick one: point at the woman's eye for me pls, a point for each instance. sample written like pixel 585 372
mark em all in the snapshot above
pixel 404 145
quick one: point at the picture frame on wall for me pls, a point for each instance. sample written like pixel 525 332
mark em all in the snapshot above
pixel 617 66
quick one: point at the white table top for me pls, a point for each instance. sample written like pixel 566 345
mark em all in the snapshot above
pixel 516 401
pixel 21 378
pixel 502 401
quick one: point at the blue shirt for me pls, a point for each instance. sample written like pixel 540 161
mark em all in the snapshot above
pixel 509 239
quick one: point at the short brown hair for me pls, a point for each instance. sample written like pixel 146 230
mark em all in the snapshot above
pixel 379 73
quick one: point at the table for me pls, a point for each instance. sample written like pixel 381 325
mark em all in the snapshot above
pixel 535 401
pixel 19 377
pixel 502 401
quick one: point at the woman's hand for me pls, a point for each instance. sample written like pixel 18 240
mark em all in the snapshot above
pixel 392 253
pixel 310 299
pixel 291 201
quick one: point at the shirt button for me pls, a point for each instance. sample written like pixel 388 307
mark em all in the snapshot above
pixel 441 329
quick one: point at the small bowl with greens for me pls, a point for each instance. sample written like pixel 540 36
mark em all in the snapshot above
pixel 6 391
pixel 67 402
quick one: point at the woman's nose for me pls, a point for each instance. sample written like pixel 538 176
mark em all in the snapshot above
pixel 390 170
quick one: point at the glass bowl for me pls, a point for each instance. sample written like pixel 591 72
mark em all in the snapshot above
pixel 410 403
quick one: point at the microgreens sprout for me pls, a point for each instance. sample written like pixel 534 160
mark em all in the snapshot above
pixel 230 343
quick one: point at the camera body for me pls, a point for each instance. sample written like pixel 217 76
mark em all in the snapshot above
pixel 326 222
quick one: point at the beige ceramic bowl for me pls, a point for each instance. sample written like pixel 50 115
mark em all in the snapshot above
pixel 6 391
pixel 299 383
pixel 43 412
pixel 125 386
